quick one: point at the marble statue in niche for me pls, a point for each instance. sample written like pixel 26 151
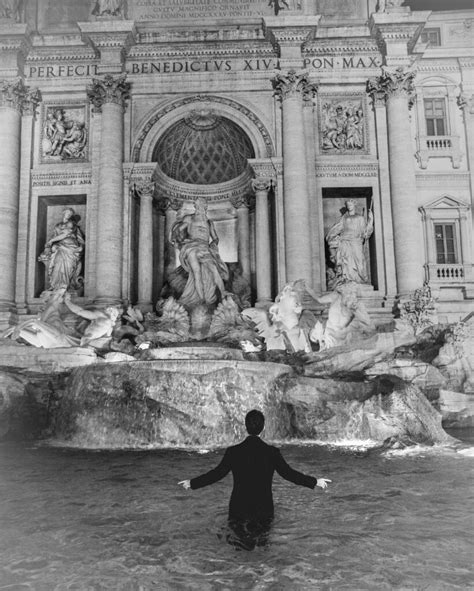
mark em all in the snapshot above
pixel 108 8
pixel 343 126
pixel 65 134
pixel 196 238
pixel 346 240
pixel 63 254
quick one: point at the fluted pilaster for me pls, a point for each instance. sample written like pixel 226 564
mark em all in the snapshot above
pixel 108 96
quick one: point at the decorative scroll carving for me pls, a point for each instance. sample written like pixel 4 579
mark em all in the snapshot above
pixel 398 82
pixel 109 8
pixel 145 188
pixel 239 201
pixel 343 124
pixel 293 84
pixel 110 89
pixel 65 133
pixel 466 103
pixel 18 96
pixel 261 184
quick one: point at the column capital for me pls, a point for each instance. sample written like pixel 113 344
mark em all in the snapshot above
pixel 109 89
pixel 16 95
pixel 261 184
pixel 145 189
pixel 294 84
pixel 396 30
pixel 392 82
pixel 242 201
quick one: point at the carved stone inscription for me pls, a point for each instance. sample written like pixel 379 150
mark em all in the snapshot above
pixel 65 133
pixel 343 127
pixel 196 9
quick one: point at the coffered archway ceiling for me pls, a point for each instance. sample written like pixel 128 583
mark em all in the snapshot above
pixel 203 148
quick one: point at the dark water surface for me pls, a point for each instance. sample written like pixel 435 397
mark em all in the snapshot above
pixel 76 520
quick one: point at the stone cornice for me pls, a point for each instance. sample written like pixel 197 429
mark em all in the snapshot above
pixel 199 50
pixel 57 54
pixel 443 179
pixel 391 30
pixel 340 46
pixel 111 38
pixel 348 170
pixel 168 190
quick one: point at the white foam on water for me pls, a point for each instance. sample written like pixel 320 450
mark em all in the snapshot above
pixel 425 450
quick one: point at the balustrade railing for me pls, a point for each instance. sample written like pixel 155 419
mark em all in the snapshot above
pixel 435 146
pixel 446 273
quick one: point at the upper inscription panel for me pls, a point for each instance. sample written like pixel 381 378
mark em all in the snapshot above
pixel 143 10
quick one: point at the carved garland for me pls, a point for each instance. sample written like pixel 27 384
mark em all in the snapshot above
pixel 202 98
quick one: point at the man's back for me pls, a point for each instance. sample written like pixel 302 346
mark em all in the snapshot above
pixel 252 463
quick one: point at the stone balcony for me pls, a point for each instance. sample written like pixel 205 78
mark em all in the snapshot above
pixel 438 146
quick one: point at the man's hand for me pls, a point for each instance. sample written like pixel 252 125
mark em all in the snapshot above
pixel 322 482
pixel 185 484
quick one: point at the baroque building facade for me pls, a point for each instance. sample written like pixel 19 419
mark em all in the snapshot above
pixel 275 113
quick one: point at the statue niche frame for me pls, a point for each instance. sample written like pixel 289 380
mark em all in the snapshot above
pixel 65 132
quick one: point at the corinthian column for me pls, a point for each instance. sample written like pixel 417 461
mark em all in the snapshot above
pixel 108 96
pixel 15 98
pixel 397 87
pixel 145 245
pixel 293 88
pixel 263 252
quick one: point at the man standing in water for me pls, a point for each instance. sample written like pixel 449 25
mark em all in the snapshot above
pixel 253 463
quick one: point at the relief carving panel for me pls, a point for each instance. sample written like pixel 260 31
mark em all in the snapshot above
pixel 342 123
pixel 65 134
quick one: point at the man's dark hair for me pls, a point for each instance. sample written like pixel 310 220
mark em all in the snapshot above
pixel 254 421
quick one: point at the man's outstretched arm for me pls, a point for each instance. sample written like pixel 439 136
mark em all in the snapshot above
pixel 210 477
pixel 288 473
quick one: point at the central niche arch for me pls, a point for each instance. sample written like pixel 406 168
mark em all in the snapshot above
pixel 156 124
pixel 203 148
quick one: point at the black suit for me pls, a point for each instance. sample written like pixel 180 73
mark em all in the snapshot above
pixel 253 463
